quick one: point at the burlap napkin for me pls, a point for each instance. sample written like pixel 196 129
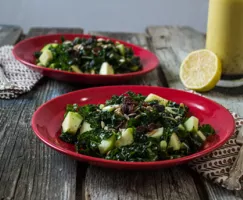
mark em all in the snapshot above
pixel 22 79
pixel 216 165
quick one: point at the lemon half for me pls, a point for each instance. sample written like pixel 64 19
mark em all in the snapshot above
pixel 200 70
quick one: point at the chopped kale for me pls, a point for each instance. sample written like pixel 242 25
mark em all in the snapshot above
pixel 207 130
pixel 68 138
pixel 129 128
pixel 86 55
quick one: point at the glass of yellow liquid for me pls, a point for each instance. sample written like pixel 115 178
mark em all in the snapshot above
pixel 225 35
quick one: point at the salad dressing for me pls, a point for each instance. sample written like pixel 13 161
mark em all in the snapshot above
pixel 225 34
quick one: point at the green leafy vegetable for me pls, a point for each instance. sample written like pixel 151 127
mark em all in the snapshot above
pixel 106 136
pixel 207 130
pixel 88 55
pixel 135 152
pixel 68 138
pixel 115 100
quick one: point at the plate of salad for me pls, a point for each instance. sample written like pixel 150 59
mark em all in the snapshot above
pixel 133 127
pixel 85 58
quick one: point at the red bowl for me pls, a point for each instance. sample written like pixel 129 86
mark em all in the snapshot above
pixel 46 122
pixel 24 52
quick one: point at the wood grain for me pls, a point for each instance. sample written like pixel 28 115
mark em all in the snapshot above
pixel 166 184
pixel 9 34
pixel 106 184
pixel 171 45
pixel 35 31
pixel 30 170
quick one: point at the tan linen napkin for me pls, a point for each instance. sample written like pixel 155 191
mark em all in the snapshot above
pixel 216 165
pixel 22 78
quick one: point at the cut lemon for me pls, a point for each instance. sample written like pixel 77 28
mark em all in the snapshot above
pixel 200 70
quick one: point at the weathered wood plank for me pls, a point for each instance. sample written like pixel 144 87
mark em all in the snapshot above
pixel 9 34
pixel 217 192
pixel 171 45
pixel 173 183
pixel 30 170
pixel 34 31
pixel 108 184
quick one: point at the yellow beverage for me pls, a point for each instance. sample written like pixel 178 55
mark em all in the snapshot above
pixel 225 34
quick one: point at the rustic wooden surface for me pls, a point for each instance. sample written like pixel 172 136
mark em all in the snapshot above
pixel 172 183
pixel 9 34
pixel 31 170
pixel 171 45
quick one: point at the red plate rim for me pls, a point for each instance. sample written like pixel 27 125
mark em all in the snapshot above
pixel 143 71
pixel 134 164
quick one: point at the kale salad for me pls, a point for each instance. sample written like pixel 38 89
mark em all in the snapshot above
pixel 89 55
pixel 133 127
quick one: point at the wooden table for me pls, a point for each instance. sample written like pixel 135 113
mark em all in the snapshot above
pixel 29 170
